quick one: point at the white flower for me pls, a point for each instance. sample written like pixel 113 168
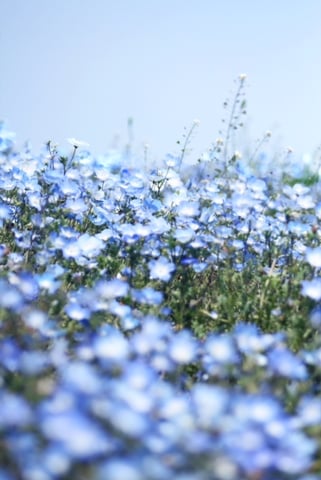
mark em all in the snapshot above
pixel 77 143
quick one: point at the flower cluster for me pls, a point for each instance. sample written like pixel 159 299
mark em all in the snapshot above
pixel 157 324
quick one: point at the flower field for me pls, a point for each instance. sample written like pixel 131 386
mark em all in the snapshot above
pixel 158 323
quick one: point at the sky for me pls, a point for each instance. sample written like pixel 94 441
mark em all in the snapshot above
pixel 82 68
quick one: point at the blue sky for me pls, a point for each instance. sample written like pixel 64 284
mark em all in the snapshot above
pixel 81 68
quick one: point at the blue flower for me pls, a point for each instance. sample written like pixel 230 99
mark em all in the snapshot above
pixel 309 411
pixel 111 289
pixel 286 364
pixel 312 288
pixel 221 349
pixel 26 283
pixel 161 269
pixel 313 256
pixel 76 311
pixel 82 378
pixel 119 469
pixel 77 434
pixel 188 209
pixel 113 346
pixel 211 404
pixel 184 235
pixel 147 296
pixel 5 211
pixel 14 411
pixel 183 347
pixel 10 297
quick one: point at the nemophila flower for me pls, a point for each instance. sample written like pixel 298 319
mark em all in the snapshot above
pixel 15 411
pixel 143 231
pixel 35 200
pixel 306 202
pixel 249 449
pixel 221 349
pixel 126 420
pixel 76 311
pixel 68 187
pixel 139 376
pixel 161 362
pixel 295 453
pixel 313 256
pixel 182 347
pixel 76 206
pixel 147 296
pixel 76 433
pixel 10 296
pixel 242 203
pixel 8 184
pixel 48 280
pixel 33 363
pixel 35 319
pixel 315 317
pixel 260 409
pixel 112 346
pixel 119 309
pixel 10 354
pixel 111 289
pixel 71 249
pixel 5 211
pixel 119 469
pixel 26 283
pixel 176 410
pixel 23 239
pixel 90 245
pixel 184 235
pixel 299 228
pixel 286 364
pixel 312 288
pixel 161 269
pixel 211 405
pixel 128 320
pixel 131 182
pixel 153 335
pixel 159 225
pixel 249 339
pixel 129 233
pixel 55 461
pixel 188 209
pixel 81 378
pixel 199 267
pixel 309 411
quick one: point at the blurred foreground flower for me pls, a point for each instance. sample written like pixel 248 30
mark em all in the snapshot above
pixel 312 288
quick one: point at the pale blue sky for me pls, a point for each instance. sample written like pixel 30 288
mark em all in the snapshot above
pixel 80 68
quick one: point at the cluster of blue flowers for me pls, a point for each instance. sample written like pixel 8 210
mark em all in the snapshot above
pixel 96 379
